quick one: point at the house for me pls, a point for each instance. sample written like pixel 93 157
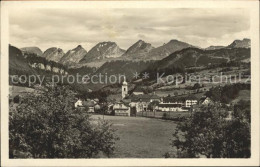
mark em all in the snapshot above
pixel 138 91
pixel 78 103
pixel 190 101
pixel 96 100
pixel 48 67
pixel 206 101
pixel 61 71
pixel 89 106
pixel 173 99
pixel 33 65
pixel 41 66
pixel 55 69
pixel 141 102
pixel 121 109
pixel 169 107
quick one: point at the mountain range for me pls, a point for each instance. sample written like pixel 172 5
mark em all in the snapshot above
pixel 141 56
pixel 107 51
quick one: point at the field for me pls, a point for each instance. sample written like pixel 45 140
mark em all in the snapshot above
pixel 141 137
pixel 243 95
pixel 19 90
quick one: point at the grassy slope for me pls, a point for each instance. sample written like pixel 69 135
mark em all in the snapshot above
pixel 199 57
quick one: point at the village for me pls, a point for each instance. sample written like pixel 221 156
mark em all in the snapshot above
pixel 138 102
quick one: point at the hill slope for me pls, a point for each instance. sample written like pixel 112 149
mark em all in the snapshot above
pixel 127 68
pixel 214 47
pixel 197 57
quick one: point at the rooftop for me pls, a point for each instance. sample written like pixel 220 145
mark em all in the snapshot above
pixel 168 105
pixel 144 97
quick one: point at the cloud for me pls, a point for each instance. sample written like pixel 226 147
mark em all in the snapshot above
pixel 67 28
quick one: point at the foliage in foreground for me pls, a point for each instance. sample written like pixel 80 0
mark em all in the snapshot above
pixel 48 126
pixel 208 134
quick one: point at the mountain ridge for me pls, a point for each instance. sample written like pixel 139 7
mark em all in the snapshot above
pixel 168 48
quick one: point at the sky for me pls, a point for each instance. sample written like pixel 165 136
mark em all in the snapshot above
pixel 68 28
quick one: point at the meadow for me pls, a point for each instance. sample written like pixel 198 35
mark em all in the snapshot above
pixel 141 137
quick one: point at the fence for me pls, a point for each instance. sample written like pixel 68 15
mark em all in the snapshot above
pixel 168 115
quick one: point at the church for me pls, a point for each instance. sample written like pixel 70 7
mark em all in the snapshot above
pixel 137 99
pixel 121 108
pixel 124 89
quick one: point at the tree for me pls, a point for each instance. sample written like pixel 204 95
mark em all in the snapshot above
pixel 46 125
pixel 152 105
pixel 227 93
pixel 208 134
pixel 196 86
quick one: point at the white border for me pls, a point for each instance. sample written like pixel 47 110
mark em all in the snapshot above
pixel 252 5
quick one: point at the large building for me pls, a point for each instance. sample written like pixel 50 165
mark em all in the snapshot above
pixel 141 102
pixel 190 101
pixel 124 89
pixel 121 109
pixel 138 91
pixel 169 107
pixel 87 105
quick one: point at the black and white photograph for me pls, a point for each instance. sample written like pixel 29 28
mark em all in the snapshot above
pixel 129 81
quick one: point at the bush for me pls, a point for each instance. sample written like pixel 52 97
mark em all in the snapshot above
pixel 47 126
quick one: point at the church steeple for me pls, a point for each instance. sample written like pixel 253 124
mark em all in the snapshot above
pixel 124 89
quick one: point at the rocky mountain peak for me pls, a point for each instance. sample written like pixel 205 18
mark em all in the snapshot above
pixel 168 48
pixel 103 50
pixel 245 43
pixel 138 49
pixel 53 54
pixel 32 50
pixel 73 56
pixel 79 47
pixel 173 41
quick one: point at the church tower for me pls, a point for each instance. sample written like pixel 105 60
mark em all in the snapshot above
pixel 124 89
